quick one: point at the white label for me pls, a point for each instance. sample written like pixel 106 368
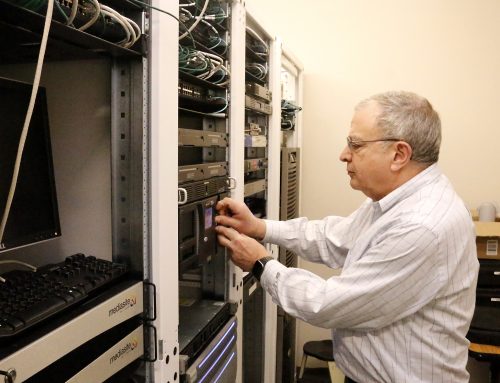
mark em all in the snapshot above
pixel 492 247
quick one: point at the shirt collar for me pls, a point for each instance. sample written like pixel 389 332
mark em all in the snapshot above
pixel 425 177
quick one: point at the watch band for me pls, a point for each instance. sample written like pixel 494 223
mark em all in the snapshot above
pixel 258 266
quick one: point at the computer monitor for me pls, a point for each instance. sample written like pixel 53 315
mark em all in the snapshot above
pixel 34 213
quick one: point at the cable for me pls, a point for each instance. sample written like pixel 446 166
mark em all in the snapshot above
pixel 200 16
pixel 72 15
pixel 61 11
pixel 27 120
pixel 254 34
pixel 138 2
pixel 221 115
pixel 95 17
pixel 9 261
pixel 131 37
pixel 225 106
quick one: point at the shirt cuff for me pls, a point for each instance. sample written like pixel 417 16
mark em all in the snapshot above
pixel 270 278
pixel 272 231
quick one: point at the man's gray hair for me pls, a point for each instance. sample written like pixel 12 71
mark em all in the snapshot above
pixel 411 118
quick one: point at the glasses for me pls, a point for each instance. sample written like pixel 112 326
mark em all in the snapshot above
pixel 354 145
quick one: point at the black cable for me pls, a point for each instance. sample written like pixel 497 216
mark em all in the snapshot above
pixel 138 2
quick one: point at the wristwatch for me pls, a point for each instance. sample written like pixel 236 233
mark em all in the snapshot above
pixel 258 266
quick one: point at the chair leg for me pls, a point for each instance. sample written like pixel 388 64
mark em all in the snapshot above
pixel 336 376
pixel 302 366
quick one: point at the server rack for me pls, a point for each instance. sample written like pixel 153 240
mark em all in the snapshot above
pixel 291 132
pixel 142 86
pixel 101 166
pixel 204 86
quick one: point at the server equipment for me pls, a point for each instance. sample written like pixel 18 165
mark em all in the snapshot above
pixel 289 209
pixel 207 328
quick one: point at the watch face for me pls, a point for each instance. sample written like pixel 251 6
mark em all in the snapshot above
pixel 258 267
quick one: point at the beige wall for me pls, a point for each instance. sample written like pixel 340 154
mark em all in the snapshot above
pixel 445 50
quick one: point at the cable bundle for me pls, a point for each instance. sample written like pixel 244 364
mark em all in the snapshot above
pixel 215 13
pixel 91 10
pixel 258 45
pixel 288 114
pixel 257 70
pixel 203 65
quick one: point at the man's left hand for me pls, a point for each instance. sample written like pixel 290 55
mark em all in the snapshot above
pixel 244 250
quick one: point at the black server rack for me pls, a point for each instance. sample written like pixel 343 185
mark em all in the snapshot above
pixel 86 332
pixel 206 318
pixel 257 112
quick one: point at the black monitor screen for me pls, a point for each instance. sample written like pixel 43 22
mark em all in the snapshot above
pixel 33 214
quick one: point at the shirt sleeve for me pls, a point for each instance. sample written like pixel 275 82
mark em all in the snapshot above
pixel 322 241
pixel 393 279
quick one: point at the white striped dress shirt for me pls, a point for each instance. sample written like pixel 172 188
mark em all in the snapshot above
pixel 401 308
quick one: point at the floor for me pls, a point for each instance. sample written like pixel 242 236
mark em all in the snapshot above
pixel 314 375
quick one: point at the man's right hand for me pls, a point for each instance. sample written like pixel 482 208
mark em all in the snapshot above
pixel 237 215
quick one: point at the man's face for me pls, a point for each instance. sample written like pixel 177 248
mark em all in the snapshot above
pixel 368 163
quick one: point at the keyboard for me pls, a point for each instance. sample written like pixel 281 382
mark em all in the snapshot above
pixel 27 297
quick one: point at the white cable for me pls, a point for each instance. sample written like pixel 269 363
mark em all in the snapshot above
pixel 211 27
pixel 27 120
pixel 106 11
pixel 74 9
pixel 136 27
pixel 8 261
pixel 193 26
pixel 94 18
pixel 132 30
pixel 254 34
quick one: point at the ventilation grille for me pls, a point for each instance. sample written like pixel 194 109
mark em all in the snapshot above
pixel 289 203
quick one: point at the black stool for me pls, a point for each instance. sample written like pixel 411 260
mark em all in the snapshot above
pixel 322 350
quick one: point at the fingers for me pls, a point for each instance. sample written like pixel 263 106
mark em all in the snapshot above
pixel 227 232
pixel 226 220
pixel 224 206
pixel 223 240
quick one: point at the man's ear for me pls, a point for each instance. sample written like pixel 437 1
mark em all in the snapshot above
pixel 401 155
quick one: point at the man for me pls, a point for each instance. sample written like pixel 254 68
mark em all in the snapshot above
pixel 401 308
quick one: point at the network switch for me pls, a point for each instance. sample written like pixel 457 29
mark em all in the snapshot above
pixel 258 106
pixel 257 90
pixel 259 141
pixel 201 172
pixel 255 164
pixel 254 187
pixel 200 138
pixel 200 189
pixel 189 90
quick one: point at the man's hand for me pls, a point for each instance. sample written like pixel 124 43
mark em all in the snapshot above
pixel 237 215
pixel 244 250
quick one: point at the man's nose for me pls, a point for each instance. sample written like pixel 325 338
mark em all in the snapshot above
pixel 345 155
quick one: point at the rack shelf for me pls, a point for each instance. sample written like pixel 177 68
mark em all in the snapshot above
pixel 21 31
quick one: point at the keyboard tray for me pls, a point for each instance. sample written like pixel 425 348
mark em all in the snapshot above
pixel 27 297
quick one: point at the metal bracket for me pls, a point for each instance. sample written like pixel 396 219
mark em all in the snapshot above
pixel 182 196
pixel 231 183
pixel 150 288
pixel 9 375
pixel 149 329
pixel 233 307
